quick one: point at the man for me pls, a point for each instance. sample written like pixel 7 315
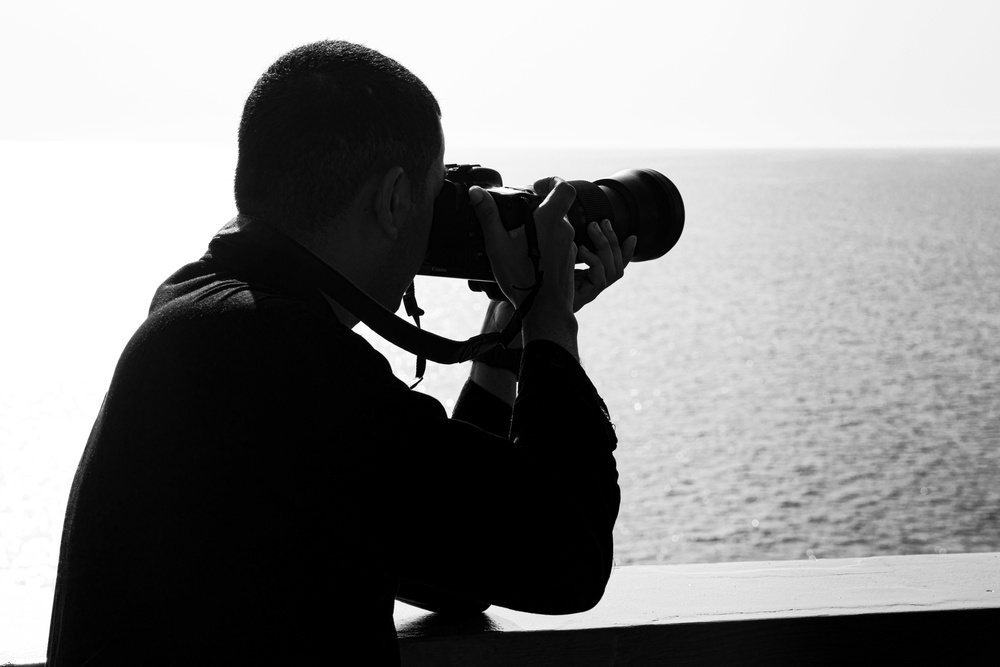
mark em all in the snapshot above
pixel 258 486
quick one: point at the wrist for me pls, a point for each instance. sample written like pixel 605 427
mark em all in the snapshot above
pixel 498 315
pixel 560 328
pixel 502 358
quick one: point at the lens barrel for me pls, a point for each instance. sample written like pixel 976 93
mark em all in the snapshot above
pixel 639 202
pixel 642 202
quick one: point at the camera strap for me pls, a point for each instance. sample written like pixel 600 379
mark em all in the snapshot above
pixel 508 333
pixel 410 337
pixel 415 311
pixel 535 255
pixel 308 269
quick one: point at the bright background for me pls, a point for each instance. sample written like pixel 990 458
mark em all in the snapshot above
pixel 118 130
pixel 713 73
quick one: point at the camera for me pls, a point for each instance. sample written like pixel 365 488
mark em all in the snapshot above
pixel 642 202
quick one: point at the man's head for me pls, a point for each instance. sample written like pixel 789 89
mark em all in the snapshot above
pixel 324 120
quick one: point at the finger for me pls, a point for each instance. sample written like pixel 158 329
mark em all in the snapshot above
pixel 555 233
pixel 628 249
pixel 543 186
pixel 596 273
pixel 558 194
pixel 603 249
pixel 618 265
pixel 585 292
pixel 489 216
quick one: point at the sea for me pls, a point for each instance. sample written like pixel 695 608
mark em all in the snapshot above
pixel 812 372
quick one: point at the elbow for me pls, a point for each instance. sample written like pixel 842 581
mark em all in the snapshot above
pixel 590 589
pixel 580 578
pixel 576 589
pixel 581 600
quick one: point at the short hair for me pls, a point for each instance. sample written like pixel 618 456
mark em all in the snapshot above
pixel 320 122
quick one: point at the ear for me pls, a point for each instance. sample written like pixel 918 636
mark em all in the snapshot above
pixel 392 201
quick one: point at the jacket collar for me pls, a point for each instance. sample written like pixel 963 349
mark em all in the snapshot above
pixel 259 254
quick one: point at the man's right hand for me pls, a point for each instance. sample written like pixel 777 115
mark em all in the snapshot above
pixel 551 316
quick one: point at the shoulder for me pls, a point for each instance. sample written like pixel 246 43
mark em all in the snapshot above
pixel 212 319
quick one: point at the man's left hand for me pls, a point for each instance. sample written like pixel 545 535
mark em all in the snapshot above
pixel 605 266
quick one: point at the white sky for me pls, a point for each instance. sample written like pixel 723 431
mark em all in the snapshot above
pixel 618 73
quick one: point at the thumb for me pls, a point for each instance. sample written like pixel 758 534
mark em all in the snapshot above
pixel 559 195
pixel 489 216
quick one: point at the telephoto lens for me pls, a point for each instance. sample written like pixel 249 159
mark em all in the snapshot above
pixel 639 202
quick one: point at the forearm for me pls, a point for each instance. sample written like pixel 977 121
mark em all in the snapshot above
pixel 547 320
pixel 511 552
pixel 499 382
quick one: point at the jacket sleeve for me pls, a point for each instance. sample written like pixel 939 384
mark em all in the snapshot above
pixel 524 522
pixel 477 406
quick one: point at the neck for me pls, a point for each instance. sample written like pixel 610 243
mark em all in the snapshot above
pixel 358 258
pixel 357 267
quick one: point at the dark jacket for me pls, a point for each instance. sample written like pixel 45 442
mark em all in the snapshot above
pixel 258 483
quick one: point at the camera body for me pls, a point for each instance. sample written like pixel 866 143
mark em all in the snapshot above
pixel 642 202
pixel 456 248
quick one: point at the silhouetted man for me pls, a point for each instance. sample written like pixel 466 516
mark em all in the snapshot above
pixel 258 486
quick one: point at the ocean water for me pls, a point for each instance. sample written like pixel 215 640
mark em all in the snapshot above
pixel 812 372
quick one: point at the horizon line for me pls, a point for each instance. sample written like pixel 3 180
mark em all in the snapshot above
pixel 457 146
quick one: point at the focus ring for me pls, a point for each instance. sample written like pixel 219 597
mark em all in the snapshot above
pixel 591 203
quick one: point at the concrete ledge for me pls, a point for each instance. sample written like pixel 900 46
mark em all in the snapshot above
pixel 941 608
